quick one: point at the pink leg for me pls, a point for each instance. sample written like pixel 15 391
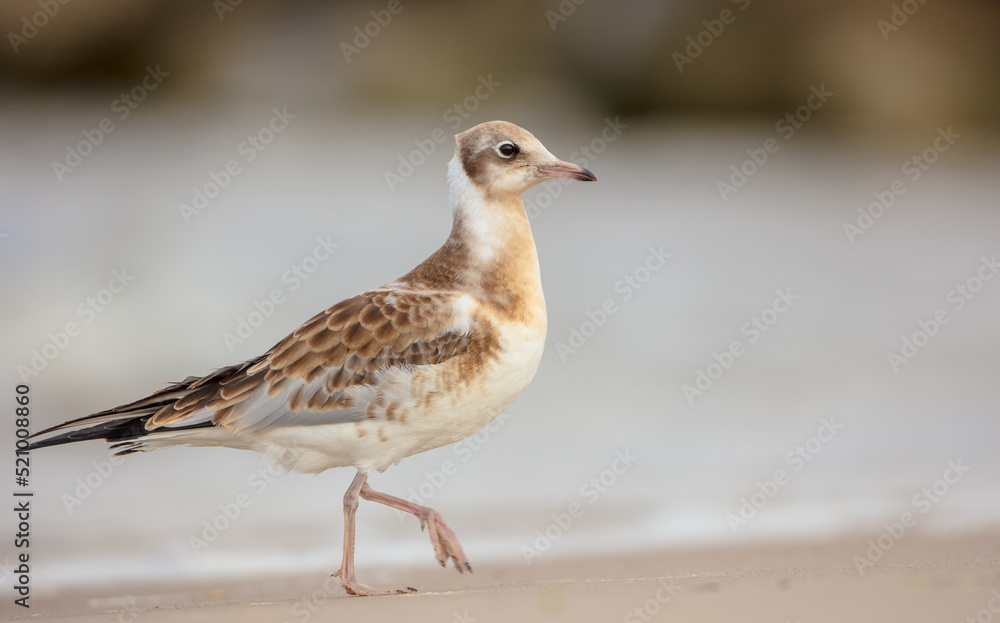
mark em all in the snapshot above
pixel 346 571
pixel 446 545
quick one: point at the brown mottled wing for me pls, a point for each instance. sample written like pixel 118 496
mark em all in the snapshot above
pixel 302 379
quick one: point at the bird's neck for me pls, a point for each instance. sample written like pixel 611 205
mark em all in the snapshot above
pixel 490 252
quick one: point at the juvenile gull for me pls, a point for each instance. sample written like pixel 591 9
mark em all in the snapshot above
pixel 416 364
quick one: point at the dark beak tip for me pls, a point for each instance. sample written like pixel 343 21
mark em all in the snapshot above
pixel 568 170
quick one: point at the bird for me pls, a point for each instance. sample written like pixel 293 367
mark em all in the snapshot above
pixel 416 364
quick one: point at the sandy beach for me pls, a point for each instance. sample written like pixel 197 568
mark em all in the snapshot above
pixel 920 579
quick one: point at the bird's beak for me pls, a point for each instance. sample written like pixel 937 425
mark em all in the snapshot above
pixel 569 171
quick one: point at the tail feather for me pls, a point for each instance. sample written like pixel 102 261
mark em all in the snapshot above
pixel 119 433
pixel 125 426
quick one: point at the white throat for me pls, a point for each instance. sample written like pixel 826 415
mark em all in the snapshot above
pixel 483 223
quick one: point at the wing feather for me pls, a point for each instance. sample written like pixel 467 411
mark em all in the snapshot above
pixel 313 376
pixel 307 375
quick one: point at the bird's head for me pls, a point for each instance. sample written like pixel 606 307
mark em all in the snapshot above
pixel 500 158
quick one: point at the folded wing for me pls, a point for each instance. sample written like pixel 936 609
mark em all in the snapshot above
pixel 303 380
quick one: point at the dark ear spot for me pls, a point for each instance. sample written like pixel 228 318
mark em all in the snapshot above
pixel 475 164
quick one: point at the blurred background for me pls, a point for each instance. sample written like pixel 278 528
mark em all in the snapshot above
pixel 796 225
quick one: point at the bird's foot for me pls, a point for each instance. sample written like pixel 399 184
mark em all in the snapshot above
pixel 353 587
pixel 446 545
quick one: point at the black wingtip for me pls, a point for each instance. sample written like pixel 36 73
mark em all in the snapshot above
pixel 123 435
pixel 115 430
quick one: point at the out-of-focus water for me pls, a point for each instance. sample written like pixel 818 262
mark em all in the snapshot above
pixel 614 390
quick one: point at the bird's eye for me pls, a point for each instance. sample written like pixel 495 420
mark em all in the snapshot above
pixel 507 149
